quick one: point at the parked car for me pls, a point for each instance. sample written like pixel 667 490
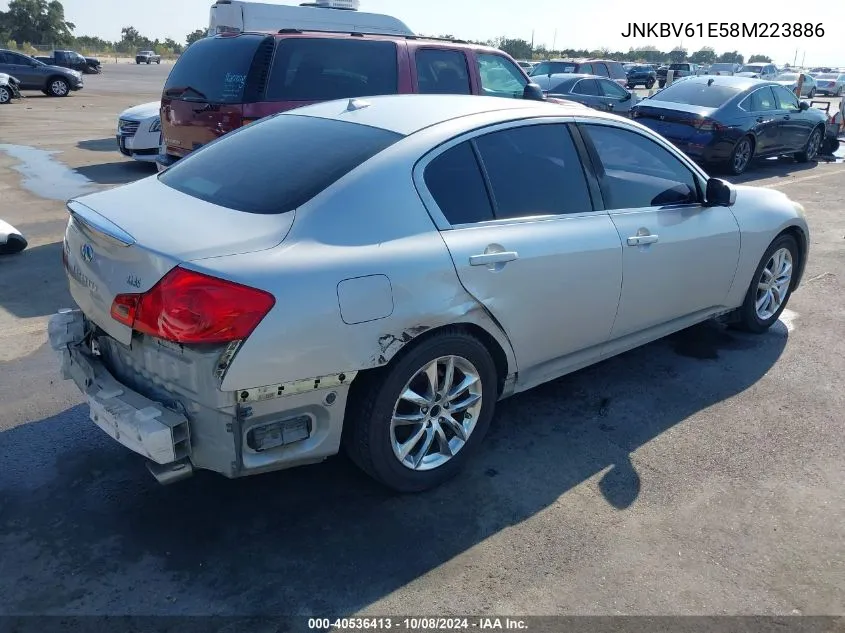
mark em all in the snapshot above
pixel 139 132
pixel 147 57
pixel 790 81
pixel 599 93
pixel 361 289
pixel 9 89
pixel 769 72
pixel 221 83
pixel 74 61
pixel 830 84
pixel 526 65
pixel 731 120
pixel 35 75
pixel 641 75
pixel 679 70
pixel 600 67
pixel 720 69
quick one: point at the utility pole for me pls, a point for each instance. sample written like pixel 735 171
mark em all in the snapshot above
pixel 532 42
pixel 803 58
pixel 795 59
pixel 554 42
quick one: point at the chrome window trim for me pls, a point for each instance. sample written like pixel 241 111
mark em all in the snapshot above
pixel 437 215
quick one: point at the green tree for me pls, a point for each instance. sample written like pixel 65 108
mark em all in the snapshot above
pixel 647 54
pixel 760 58
pixel 516 48
pixel 677 55
pixel 37 21
pixel 173 46
pixel 704 56
pixel 196 35
pixel 732 57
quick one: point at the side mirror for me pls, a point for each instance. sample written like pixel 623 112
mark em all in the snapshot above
pixel 719 193
pixel 533 92
pixel 803 106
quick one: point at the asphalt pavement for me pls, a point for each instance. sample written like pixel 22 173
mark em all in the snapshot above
pixel 700 474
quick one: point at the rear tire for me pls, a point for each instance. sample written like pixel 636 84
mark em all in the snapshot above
pixel 812 93
pixel 5 95
pixel 376 443
pixel 771 287
pixel 661 83
pixel 741 156
pixel 811 149
pixel 649 84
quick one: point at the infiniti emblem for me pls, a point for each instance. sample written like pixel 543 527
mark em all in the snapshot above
pixel 87 252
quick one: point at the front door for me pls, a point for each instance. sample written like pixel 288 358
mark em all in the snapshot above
pixel 795 128
pixel 679 257
pixel 21 67
pixel 763 108
pixel 527 242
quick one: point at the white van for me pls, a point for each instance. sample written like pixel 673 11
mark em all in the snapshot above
pixel 236 16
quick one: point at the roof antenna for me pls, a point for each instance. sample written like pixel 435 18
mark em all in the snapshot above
pixel 357 104
pixel 710 81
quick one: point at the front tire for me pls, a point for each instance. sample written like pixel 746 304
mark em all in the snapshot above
pixel 770 287
pixel 741 156
pixel 58 88
pixel 5 95
pixel 649 84
pixel 811 149
pixel 812 93
pixel 413 424
pixel 661 83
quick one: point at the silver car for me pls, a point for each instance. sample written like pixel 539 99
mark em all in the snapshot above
pixel 376 274
pixel 831 84
pixel 790 81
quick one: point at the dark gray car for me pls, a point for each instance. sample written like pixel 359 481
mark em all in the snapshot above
pixel 597 92
pixel 35 75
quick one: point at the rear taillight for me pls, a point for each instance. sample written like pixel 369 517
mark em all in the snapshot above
pixel 709 125
pixel 189 307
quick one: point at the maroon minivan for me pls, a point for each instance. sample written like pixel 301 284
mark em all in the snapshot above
pixel 224 82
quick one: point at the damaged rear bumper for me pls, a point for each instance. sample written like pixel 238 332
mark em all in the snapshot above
pixel 254 433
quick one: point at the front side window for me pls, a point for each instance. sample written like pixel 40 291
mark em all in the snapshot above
pixel 534 170
pixel 442 72
pixel 455 182
pixel 500 77
pixel 612 89
pixel 786 99
pixel 306 69
pixel 636 172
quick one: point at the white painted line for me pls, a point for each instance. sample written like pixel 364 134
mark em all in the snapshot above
pixel 788 317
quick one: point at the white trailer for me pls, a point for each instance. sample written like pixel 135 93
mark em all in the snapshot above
pixel 237 16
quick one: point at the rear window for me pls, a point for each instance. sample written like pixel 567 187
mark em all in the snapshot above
pixel 828 76
pixel 697 93
pixel 307 69
pixel 213 69
pixel 554 68
pixel 276 165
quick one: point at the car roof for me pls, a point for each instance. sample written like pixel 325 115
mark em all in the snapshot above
pixel 740 83
pixel 408 114
pixel 565 76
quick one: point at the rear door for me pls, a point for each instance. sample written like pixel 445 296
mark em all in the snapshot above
pixel 204 94
pixel 441 71
pixel 526 241
pixel 762 107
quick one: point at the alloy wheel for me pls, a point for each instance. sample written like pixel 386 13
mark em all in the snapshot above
pixel 742 155
pixel 5 95
pixel 813 144
pixel 773 284
pixel 59 88
pixel 436 413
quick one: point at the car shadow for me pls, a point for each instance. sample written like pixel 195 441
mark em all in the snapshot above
pixel 33 282
pixel 778 166
pixel 118 173
pixel 326 539
pixel 99 145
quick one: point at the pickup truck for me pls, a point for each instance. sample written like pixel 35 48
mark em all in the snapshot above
pixel 74 61
pixel 681 70
pixel 147 57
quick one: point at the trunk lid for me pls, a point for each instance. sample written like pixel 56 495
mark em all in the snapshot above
pixel 672 120
pixel 125 240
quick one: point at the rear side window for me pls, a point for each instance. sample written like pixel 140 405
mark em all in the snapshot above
pixel 307 69
pixel 617 71
pixel 278 164
pixel 213 69
pixel 534 171
pixel 455 182
pixel 601 69
pixel 442 72
pixel 586 87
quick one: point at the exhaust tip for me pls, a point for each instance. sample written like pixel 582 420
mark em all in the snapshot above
pixel 167 474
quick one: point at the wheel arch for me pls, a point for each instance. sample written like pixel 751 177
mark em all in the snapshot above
pixel 802 239
pixel 53 78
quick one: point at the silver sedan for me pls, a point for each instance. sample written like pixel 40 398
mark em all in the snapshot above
pixel 376 274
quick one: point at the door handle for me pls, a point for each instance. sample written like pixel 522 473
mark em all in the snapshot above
pixel 493 258
pixel 759 119
pixel 786 117
pixel 641 240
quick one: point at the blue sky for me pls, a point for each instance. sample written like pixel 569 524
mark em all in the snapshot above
pixel 588 24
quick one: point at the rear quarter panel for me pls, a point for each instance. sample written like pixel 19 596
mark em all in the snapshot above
pixel 371 222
